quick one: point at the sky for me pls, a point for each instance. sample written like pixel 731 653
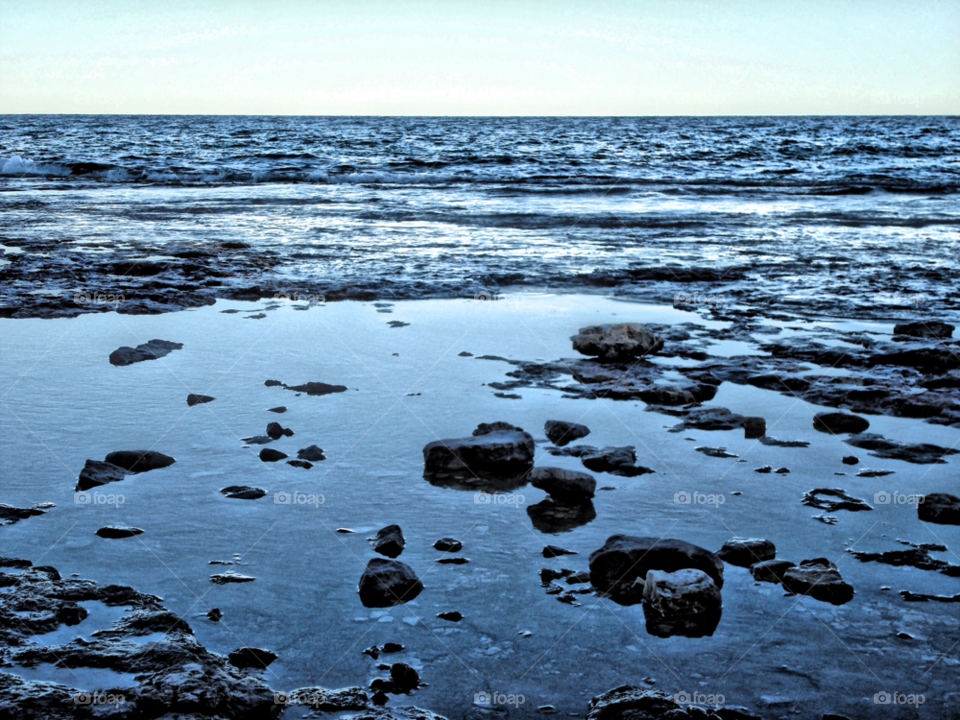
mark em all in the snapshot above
pixel 516 57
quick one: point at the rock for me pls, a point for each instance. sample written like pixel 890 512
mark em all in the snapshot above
pixel 776 382
pixel 754 427
pixel 623 559
pixel 614 460
pixel 138 461
pixel 554 516
pixel 918 453
pixel 388 541
pixel 113 531
pixel 681 593
pixel 710 418
pixel 632 703
pixel 10 514
pixel 276 431
pixel 564 485
pixel 404 678
pixel 940 508
pixel 279 409
pixel 838 422
pixel 578 578
pixel 193 399
pixel 392 647
pixel 764 469
pixel 256 439
pixel 148 351
pixel 271 455
pixel 248 657
pixel 616 342
pixel 243 492
pixel 96 473
pixel 870 473
pixel 397 324
pixel 214 614
pixel 230 577
pixel 561 433
pixel 851 460
pixel 552 551
pixel 717 452
pixel 821 498
pixel 770 570
pixel 272 383
pixel 451 616
pixel 312 453
pixel 667 395
pixel 448 545
pixel 317 388
pixel 934 329
pixel 497 448
pixel 385 583
pixel 818 579
pixel 782 471
pixel 300 464
pixel 744 552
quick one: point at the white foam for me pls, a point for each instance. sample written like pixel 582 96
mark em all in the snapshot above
pixel 16 165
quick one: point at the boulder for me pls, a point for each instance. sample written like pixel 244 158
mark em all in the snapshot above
pixel 385 583
pixel 276 431
pixel 96 473
pixel 248 657
pixel 940 508
pixel 448 545
pixel 561 433
pixel 312 453
pixel 681 593
pixel 838 422
pixel 497 448
pixel 563 485
pixel 388 541
pixel 754 427
pixel 113 531
pixel 271 455
pixel 819 579
pixel 148 351
pixel 404 678
pixel 194 399
pixel 934 329
pixel 614 460
pixel 623 341
pixel 138 461
pixel 770 570
pixel 625 558
pixel 744 552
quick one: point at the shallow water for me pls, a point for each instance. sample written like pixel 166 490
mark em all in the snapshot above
pixel 63 403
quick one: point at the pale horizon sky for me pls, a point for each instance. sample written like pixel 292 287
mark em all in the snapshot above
pixel 407 57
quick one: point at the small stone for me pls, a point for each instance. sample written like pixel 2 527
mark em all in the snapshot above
pixel 448 545
pixel 114 532
pixel 277 431
pixel 214 614
pixel 851 460
pixel 552 551
pixel 311 453
pixel 247 657
pixel 193 399
pixel 404 678
pixel 389 541
pixel 271 455
pixel 452 616
pixel 754 427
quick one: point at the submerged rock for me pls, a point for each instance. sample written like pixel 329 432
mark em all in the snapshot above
pixel 744 552
pixel 243 492
pixel 552 551
pixel 940 508
pixel 151 350
pixel 385 583
pixel 96 473
pixel 622 341
pixel 317 388
pixel 819 579
pixel 918 453
pixel 138 461
pixel 497 448
pixel 934 329
pixel 614 460
pixel 561 433
pixel 680 593
pixel 838 422
pixel 114 531
pixel 770 570
pixel 388 541
pixel 552 516
pixel 248 657
pixel 564 485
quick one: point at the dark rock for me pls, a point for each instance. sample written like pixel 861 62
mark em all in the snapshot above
pixel 782 471
pixel 822 498
pixel 614 460
pixel 388 541
pixel 870 473
pixel 553 516
pixel 312 453
pixel 276 431
pixel 243 492
pixel 770 570
pixel 754 427
pixel 764 469
pixel 379 698
pixel 744 552
pixel 193 399
pixel 279 409
pixel 271 455
pixel 552 551
pixel 317 388
pixel 561 433
pixel 935 329
pixel 373 651
pixel 548 575
pixel 616 342
pixel 148 351
pixel 778 383
pixel 773 442
pixel 623 559
pixel 230 577
pixel 385 583
pixel 113 531
pixel 497 448
pixel 96 473
pixel 838 422
pixel 404 678
pixel 300 464
pixel 464 353
pixel 248 657
pixel 818 579
pixel 272 383
pixel 918 453
pixel 710 418
pixel 138 461
pixel 451 616
pixel 632 703
pixel 392 647
pixel 448 545
pixel 851 460
pixel 940 508
pixel 681 593
pixel 397 324
pixel 10 514
pixel 453 561
pixel 667 395
pixel 563 485
pixel 214 614
pixel 257 439
pixel 937 360
pixel 717 452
